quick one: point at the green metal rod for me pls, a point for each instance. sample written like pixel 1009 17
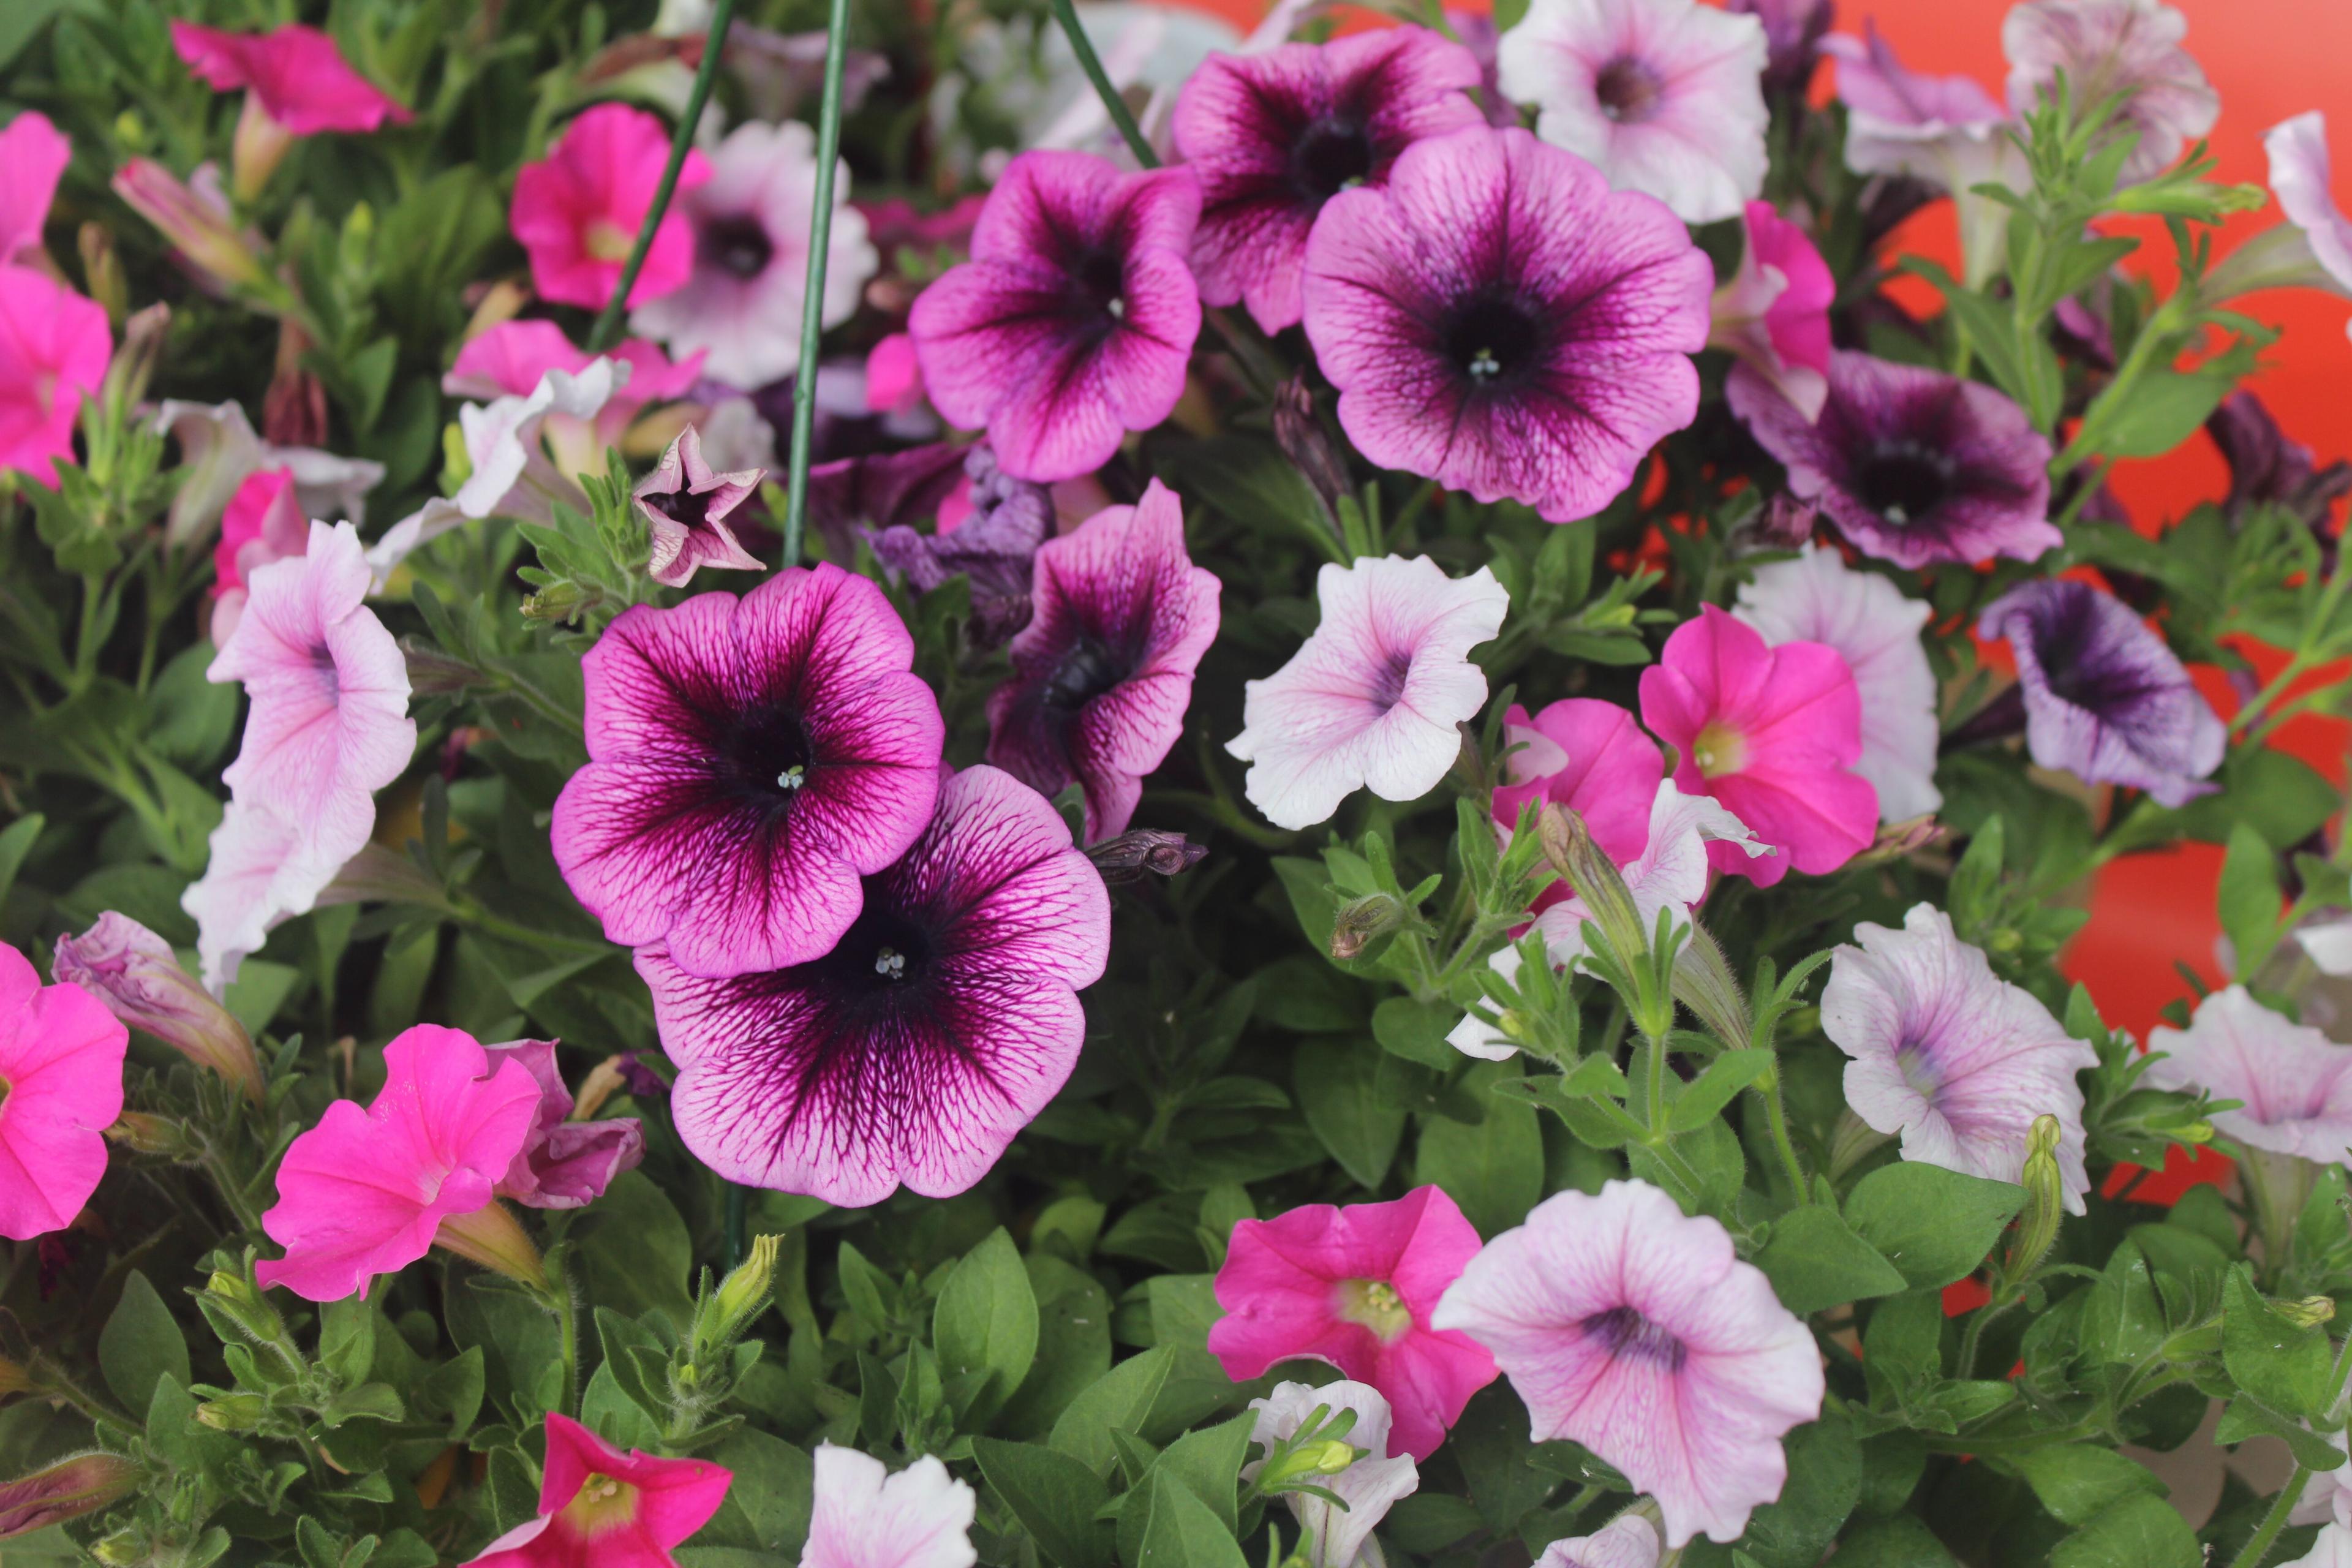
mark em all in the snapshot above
pixel 828 153
pixel 1088 61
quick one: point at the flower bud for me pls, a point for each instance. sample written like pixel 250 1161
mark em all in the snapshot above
pixel 260 147
pixel 66 1489
pixel 233 1413
pixel 194 218
pixel 101 271
pixel 158 1135
pixel 133 365
pixel 1332 1456
pixel 237 1299
pixel 134 974
pixel 1568 845
pixel 2045 1200
pixel 1362 921
pixel 1129 857
pixel 2307 1313
pixel 742 1296
pixel 1703 983
pixel 15 1378
pixel 1304 443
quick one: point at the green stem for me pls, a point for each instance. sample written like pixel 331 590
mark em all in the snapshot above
pixel 828 153
pixel 1776 1116
pixel 1115 106
pixel 567 1324
pixel 714 44
pixel 2259 1546
pixel 738 1224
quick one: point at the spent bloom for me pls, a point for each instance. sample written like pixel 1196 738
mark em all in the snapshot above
pixel 1949 1055
pixel 1372 697
pixel 1274 135
pixel 993 546
pixel 1370 1484
pixel 1103 672
pixel 1664 96
pixel 262 522
pixel 64 1489
pixel 686 507
pixel 578 210
pixel 1792 38
pixel 1632 1328
pixel 33 153
pixel 1629 1541
pixel 938 1024
pixel 55 347
pixel 1354 1287
pixel 2296 1083
pixel 61 1060
pixel 1497 319
pixel 598 1504
pixel 1774 314
pixel 866 1517
pixel 2128 49
pixel 1773 734
pixel 563 1163
pixel 135 975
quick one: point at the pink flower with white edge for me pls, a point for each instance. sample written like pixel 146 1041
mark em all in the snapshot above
pixel 1354 1287
pixel 1773 734
pixel 512 358
pixel 563 1163
pixel 55 347
pixel 33 153
pixel 263 522
pixel 578 210
pixel 1949 1055
pixel 1634 1329
pixel 61 1061
pixel 1374 1482
pixel 370 1190
pixel 1664 96
pixel 297 74
pixel 2296 1082
pixel 1629 1541
pixel 2128 49
pixel 686 506
pixel 1371 699
pixel 866 1517
pixel 600 1505
pixel 1874 628
pixel 1774 314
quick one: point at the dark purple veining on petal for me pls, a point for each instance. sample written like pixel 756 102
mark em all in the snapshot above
pixel 1626 1335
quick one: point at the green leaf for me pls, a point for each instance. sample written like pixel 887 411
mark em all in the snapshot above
pixel 1493 1168
pixel 985 1322
pixel 2140 1532
pixel 1053 1495
pixel 1416 1031
pixel 606 1408
pixel 1118 1400
pixel 2165 408
pixel 1073 1345
pixel 2249 897
pixel 140 1344
pixel 1208 1463
pixel 1183 1531
pixel 1935 1226
pixel 1825 1483
pixel 347 1339
pixel 1903 1542
pixel 1815 1260
pixel 769 1501
pixel 1360 1119
pixel 1717 1087
pixel 2078 1481
pixel 2287 1367
pixel 14 844
pixel 636 1251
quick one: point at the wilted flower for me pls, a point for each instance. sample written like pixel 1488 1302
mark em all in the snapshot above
pixel 135 975
pixel 1774 314
pixel 578 210
pixel 2126 49
pixel 598 1504
pixel 993 546
pixel 2268 468
pixel 564 1163
pixel 866 1517
pixel 33 154
pixel 54 350
pixel 61 1061
pixel 1369 1484
pixel 1792 38
pixel 1141 852
pixel 686 506
pixel 62 1489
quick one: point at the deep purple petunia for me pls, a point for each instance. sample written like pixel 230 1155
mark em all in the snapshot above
pixel 1497 319
pixel 2105 698
pixel 1913 465
pixel 1074 320
pixel 749 762
pixel 1275 135
pixel 1103 671
pixel 941 1023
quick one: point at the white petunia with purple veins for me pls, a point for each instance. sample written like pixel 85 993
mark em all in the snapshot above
pixel 2296 1083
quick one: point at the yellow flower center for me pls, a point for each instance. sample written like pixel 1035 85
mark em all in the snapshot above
pixel 607 241
pixel 1375 1304
pixel 601 1505
pixel 1718 751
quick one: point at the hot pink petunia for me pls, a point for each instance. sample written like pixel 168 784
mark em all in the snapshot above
pixel 55 347
pixel 368 1192
pixel 1103 672
pixel 33 153
pixel 941 1021
pixel 2295 1082
pixel 601 1506
pixel 866 1517
pixel 563 1163
pixel 1274 135
pixel 1632 1327
pixel 298 75
pixel 578 210
pixel 1774 314
pixel 1588 756
pixel 687 505
pixel 61 1065
pixel 1773 733
pixel 512 358
pixel 262 522
pixel 1354 1287
pixel 894 376
pixel 749 760
pixel 1074 319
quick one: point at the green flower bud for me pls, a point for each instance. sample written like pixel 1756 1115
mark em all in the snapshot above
pixel 2045 1199
pixel 233 1413
pixel 2307 1313
pixel 742 1297
pixel 1594 878
pixel 1362 921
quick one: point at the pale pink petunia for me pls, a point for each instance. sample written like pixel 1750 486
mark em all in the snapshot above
pixel 866 1517
pixel 219 451
pixel 1629 1541
pixel 1670 873
pixel 2296 1083
pixel 2313 248
pixel 512 358
pixel 298 75
pixel 1371 699
pixel 1588 756
pixel 1774 314
pixel 2328 944
pixel 1634 1329
pixel 263 522
pixel 685 505
pixel 1664 96
pixel 578 210
pixel 1875 629
pixel 563 1163
pixel 1773 734
pixel 1354 1287
pixel 135 975
pixel 1380 1476
pixel 33 153
pixel 2114 49
pixel 2331 1548
pixel 55 347
pixel 1949 1055
pixel 260 870
pixel 599 1505
pixel 61 1061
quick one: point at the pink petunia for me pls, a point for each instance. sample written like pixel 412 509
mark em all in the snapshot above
pixel 563 1163
pixel 1074 320
pixel 259 872
pixel 262 522
pixel 512 358
pixel 61 1061
pixel 2295 1082
pixel 1354 1287
pixel 55 347
pixel 615 1509
pixel 296 73
pixel 1634 1329
pixel 33 153
pixel 1773 734
pixel 864 1516
pixel 1774 314
pixel 1629 1541
pixel 578 210
pixel 1588 756
pixel 894 376
pixel 686 506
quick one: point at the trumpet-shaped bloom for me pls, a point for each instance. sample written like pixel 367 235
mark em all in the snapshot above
pixel 563 1163
pixel 1629 1541
pixel 297 73
pixel 1664 96
pixel 1819 598
pixel 941 1021
pixel 1588 756
pixel 600 1505
pixel 1274 135
pixel 60 1090
pixel 1773 734
pixel 866 1517
pixel 261 870
pixel 2296 1082
pixel 686 507
pixel 1669 873
pixel 1371 699
pixel 512 358
pixel 135 975
pixel 1103 672
pixel 55 347
pixel 1354 1287
pixel 2108 49
pixel 2302 179
pixel 578 210
pixel 219 451
pixel 1949 1055
pixel 1774 314
pixel 1370 1486
pixel 262 523
pixel 1632 1328
pixel 33 153
pixel 1074 319
pixel 1497 319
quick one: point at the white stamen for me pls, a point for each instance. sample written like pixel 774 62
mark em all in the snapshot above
pixel 1484 364
pixel 890 963
pixel 791 777
pixel 1118 307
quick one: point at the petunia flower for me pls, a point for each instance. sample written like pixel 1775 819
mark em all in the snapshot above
pixel 33 154
pixel 1074 319
pixel 219 452
pixel 686 506
pixel 1632 1328
pixel 1588 756
pixel 1371 700
pixel 598 1504
pixel 2313 248
pixel 61 1058
pixel 1773 734
pixel 866 1517
pixel 55 347
pixel 1875 629
pixel 263 522
pixel 1103 672
pixel 2296 1083
pixel 1374 1482
pixel 261 870
pixel 296 82
pixel 64 1488
pixel 1670 872
pixel 993 546
pixel 1354 1287
pixel 749 760
pixel 370 1190
pixel 1497 319
pixel 1793 39
pixel 1274 135
pixel 1664 96
pixel 740 300
pixel 512 358
pixel 2104 699
pixel 1774 314
pixel 563 1163
pixel 941 1021
pixel 1629 1541
pixel 2269 468
pixel 1915 467
pixel 578 210
pixel 2126 49
pixel 134 974
pixel 1949 1055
